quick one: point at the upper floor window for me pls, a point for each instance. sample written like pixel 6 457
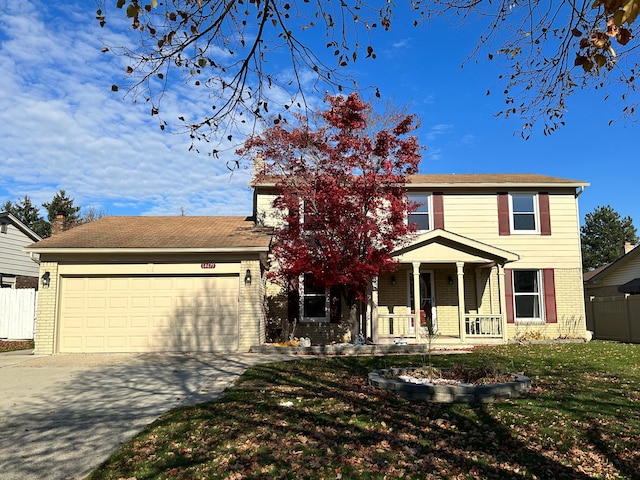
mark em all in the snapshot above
pixel 421 216
pixel 524 212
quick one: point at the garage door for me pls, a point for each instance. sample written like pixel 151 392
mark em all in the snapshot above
pixel 148 314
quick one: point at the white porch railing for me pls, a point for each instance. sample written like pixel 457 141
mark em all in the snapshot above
pixel 394 325
pixel 483 325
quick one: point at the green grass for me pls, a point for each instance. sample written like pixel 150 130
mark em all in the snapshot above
pixel 581 420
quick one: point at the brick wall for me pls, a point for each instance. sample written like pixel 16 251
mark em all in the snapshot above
pixel 251 310
pixel 570 310
pixel 46 315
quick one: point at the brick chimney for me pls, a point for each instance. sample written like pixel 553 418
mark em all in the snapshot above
pixel 59 224
pixel 626 248
pixel 258 167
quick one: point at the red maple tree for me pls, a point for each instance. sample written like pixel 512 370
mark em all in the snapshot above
pixel 341 195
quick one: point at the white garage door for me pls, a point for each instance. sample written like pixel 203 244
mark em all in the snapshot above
pixel 148 314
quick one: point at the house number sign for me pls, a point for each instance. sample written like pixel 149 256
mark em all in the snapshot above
pixel 207 265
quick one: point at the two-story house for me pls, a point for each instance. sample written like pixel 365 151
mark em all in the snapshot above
pixel 17 269
pixel 496 257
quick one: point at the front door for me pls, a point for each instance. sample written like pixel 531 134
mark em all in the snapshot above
pixel 427 305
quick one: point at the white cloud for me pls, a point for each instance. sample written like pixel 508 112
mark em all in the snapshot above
pixel 64 128
pixel 433 132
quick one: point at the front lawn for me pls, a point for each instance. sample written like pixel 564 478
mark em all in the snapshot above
pixel 318 418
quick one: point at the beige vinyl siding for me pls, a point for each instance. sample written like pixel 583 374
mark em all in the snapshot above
pixel 266 215
pixel 13 261
pixel 476 217
pixel 623 273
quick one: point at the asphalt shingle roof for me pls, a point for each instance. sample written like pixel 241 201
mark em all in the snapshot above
pixel 492 178
pixel 161 233
pixel 473 179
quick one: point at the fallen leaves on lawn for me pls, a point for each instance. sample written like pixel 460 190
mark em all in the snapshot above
pixel 582 423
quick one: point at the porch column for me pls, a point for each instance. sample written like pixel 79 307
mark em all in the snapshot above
pixel 461 306
pixel 374 310
pixel 503 303
pixel 416 296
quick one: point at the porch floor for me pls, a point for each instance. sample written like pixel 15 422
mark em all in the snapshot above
pixel 439 345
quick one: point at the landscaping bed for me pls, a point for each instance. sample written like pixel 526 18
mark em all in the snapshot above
pixel 448 388
pixel 12 345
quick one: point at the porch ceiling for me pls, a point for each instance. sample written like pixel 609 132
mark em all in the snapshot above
pixel 442 246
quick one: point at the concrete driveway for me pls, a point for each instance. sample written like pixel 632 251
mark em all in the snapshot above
pixel 61 416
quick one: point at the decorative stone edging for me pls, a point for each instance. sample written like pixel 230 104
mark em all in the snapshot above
pixel 441 393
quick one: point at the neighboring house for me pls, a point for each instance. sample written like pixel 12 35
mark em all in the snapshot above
pixel 615 279
pixel 497 258
pixel 140 284
pixel 17 269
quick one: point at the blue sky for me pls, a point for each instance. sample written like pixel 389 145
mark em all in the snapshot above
pixel 63 128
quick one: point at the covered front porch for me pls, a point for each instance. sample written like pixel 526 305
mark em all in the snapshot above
pixel 456 284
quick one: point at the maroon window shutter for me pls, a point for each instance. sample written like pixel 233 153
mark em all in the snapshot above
pixel 293 301
pixel 438 211
pixel 335 304
pixel 548 280
pixel 545 217
pixel 503 214
pixel 508 293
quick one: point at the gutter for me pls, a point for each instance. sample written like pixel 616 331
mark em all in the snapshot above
pixel 148 250
pixel 33 258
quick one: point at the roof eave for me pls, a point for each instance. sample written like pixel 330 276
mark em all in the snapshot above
pixel 59 250
pixel 21 226
pixel 499 184
pixel 473 184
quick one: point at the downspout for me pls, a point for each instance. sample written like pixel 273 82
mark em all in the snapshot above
pixel 34 259
pixel 579 192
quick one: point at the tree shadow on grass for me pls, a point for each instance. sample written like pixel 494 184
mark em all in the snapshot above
pixel 296 421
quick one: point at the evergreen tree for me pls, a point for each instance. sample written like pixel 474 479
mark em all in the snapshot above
pixel 603 235
pixel 62 204
pixel 25 211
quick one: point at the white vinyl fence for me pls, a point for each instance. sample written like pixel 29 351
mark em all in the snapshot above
pixel 17 313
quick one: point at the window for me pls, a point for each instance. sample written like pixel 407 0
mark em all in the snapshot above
pixel 314 301
pixel 421 215
pixel 4 228
pixel 524 212
pixel 527 294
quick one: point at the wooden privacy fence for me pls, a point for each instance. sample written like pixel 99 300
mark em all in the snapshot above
pixel 614 318
pixel 17 313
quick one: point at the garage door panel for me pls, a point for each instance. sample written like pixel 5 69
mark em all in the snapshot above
pixel 97 285
pixel 140 302
pixel 96 323
pixel 141 313
pixel 117 283
pixel 116 342
pixel 76 284
pixel 95 303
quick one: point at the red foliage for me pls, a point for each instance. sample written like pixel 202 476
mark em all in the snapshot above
pixel 341 193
